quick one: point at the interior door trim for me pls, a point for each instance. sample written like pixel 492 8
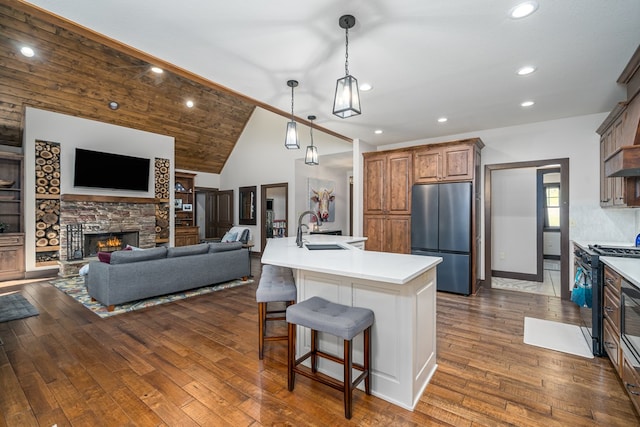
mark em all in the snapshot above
pixel 564 217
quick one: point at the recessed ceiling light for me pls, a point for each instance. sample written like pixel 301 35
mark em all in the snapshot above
pixel 527 69
pixel 189 104
pixel 442 119
pixel 377 131
pixel 27 51
pixel 527 104
pixel 365 87
pixel 523 9
pixel 157 70
pixel 113 105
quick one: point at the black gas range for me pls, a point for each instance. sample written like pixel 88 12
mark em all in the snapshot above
pixel 617 251
pixel 589 271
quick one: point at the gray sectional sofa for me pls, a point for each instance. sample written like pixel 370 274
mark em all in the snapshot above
pixel 135 275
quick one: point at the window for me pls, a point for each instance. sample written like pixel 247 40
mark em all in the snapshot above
pixel 552 206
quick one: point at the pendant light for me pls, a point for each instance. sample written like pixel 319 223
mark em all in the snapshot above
pixel 311 157
pixel 346 102
pixel 291 140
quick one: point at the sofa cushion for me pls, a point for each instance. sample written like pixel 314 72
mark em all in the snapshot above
pixel 202 248
pixel 223 247
pixel 125 257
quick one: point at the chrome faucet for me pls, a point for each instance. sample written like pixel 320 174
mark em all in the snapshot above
pixel 300 224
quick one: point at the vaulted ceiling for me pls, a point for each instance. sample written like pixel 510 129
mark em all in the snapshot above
pixel 425 60
pixel 78 72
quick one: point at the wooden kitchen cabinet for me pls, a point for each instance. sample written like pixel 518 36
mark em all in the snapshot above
pixel 449 162
pixel 387 183
pixel 621 128
pixel 388 233
pixel 387 200
pixel 389 177
pixel 631 382
pixel 611 314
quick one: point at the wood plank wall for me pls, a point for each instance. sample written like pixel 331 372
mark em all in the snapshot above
pixel 73 73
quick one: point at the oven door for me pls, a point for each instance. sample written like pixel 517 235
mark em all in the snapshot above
pixel 592 319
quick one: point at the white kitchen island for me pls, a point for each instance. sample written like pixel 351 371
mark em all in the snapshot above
pixel 401 291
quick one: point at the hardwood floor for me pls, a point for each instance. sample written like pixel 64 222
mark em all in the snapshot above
pixel 195 362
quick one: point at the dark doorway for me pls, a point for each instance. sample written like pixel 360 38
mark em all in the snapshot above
pixel 214 211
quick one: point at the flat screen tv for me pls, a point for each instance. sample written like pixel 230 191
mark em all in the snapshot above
pixel 107 170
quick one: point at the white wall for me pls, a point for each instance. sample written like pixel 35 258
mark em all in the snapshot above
pixel 514 220
pixel 260 158
pixel 574 138
pixel 71 132
pixel 341 192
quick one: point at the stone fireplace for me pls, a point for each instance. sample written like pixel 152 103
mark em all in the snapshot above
pixel 130 220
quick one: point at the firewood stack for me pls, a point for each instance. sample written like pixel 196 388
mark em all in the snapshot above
pixel 47 168
pixel 47 227
pixel 162 180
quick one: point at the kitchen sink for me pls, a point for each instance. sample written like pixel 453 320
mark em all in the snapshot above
pixel 323 246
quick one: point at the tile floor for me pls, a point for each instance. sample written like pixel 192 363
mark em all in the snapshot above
pixel 550 286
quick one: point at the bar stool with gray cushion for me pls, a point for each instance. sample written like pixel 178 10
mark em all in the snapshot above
pixel 343 321
pixel 276 285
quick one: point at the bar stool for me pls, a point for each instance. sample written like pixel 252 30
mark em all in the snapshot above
pixel 343 321
pixel 276 285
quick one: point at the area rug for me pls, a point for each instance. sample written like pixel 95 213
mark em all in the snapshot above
pixel 556 336
pixel 14 306
pixel 75 288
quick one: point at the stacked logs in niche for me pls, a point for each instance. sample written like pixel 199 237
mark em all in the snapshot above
pixel 162 222
pixel 47 256
pixel 47 227
pixel 162 178
pixel 47 168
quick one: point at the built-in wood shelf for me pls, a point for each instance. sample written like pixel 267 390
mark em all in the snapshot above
pixel 105 199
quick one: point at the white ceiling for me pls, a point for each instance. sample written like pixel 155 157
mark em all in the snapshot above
pixel 425 59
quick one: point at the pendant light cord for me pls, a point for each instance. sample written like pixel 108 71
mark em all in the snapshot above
pixel 292 117
pixel 346 55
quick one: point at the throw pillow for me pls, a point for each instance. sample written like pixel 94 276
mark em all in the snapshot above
pixel 132 248
pixel 104 257
pixel 229 237
pixel 84 270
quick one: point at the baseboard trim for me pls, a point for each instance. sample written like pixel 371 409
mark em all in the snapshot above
pixel 514 275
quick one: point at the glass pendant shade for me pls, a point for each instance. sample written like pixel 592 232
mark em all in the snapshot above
pixel 346 102
pixel 291 140
pixel 312 156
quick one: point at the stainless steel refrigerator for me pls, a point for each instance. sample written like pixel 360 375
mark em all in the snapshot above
pixel 441 226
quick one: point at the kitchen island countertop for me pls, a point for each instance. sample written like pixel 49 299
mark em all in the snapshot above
pixel 350 262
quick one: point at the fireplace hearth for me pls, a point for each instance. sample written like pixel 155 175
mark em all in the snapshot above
pixel 109 242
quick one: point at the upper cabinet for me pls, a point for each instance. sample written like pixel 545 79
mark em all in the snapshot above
pixel 387 183
pixel 620 144
pixel 449 162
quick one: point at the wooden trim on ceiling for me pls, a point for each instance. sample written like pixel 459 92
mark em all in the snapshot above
pixel 152 60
